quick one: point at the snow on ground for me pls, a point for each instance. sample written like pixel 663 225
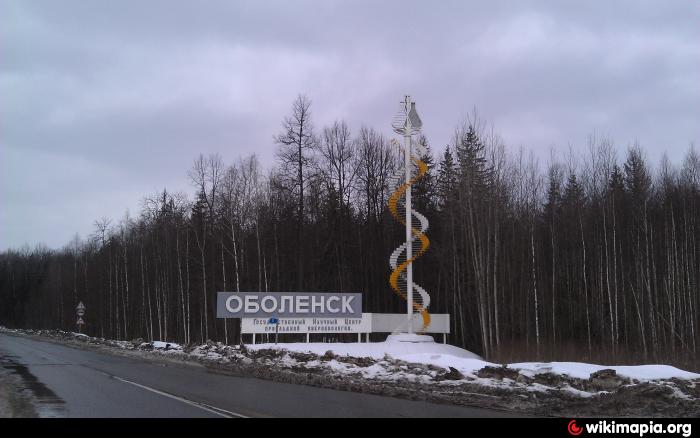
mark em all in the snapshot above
pixel 437 372
pixel 166 345
pixel 413 359
pixel 468 363
pixel 581 370
pixel 375 350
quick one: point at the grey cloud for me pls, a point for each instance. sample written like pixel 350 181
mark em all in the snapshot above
pixel 123 95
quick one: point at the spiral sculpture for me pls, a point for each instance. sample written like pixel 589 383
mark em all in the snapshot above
pixel 407 122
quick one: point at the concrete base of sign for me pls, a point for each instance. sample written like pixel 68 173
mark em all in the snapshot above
pixel 410 337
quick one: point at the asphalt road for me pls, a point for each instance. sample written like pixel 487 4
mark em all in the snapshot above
pixel 72 382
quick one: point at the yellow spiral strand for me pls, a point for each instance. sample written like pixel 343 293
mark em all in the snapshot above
pixel 424 241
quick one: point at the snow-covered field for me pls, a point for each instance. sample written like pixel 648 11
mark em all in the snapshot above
pixel 438 372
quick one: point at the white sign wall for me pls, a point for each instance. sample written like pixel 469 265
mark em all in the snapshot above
pixel 307 325
pixel 369 323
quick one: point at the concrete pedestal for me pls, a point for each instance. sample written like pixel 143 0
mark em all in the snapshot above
pixel 410 337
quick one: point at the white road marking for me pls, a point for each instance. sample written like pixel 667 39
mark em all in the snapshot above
pixel 212 409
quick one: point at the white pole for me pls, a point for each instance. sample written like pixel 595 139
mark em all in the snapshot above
pixel 409 247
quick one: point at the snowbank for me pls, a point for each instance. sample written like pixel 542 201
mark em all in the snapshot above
pixel 381 358
pixel 468 363
pixel 375 350
pixel 166 345
pixel 416 367
pixel 581 370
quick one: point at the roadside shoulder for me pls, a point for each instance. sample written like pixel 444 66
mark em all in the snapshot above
pixel 13 404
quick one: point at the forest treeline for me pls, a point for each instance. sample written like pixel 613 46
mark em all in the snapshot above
pixel 588 256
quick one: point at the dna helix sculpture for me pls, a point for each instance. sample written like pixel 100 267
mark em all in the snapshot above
pixel 407 122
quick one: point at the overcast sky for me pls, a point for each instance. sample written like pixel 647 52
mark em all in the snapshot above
pixel 104 102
